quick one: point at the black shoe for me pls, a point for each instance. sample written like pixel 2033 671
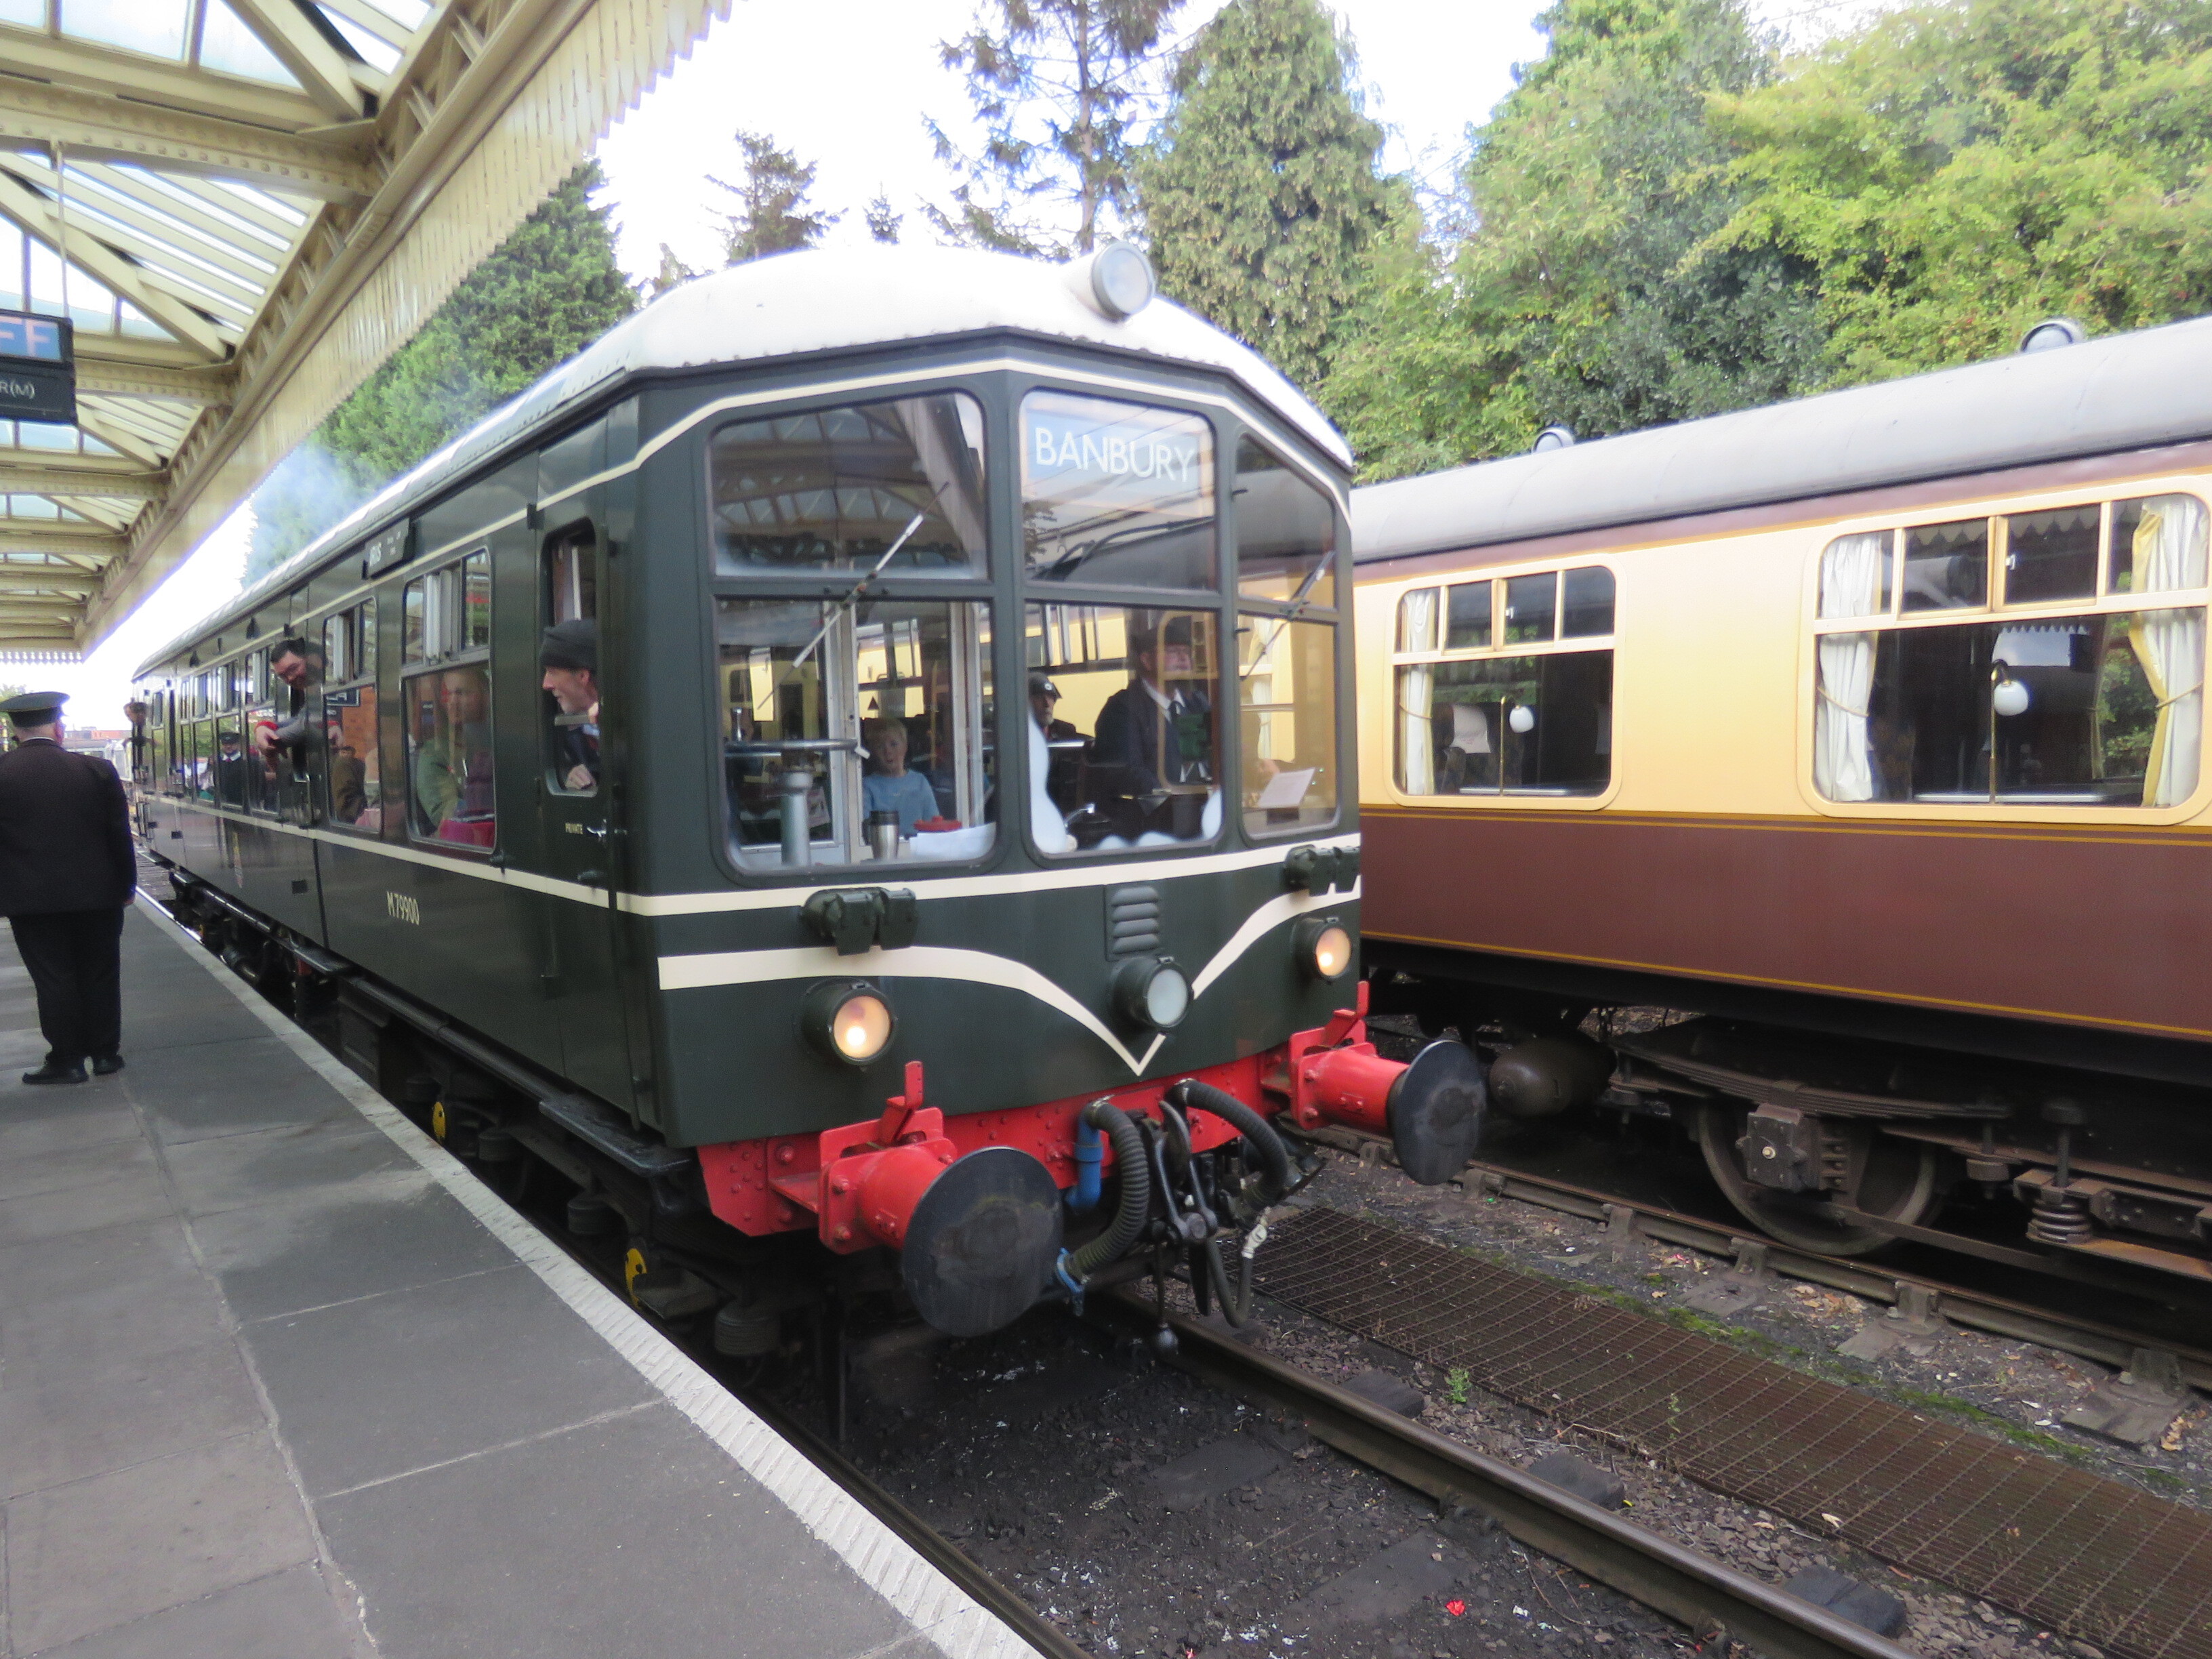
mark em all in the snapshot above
pixel 50 1072
pixel 107 1065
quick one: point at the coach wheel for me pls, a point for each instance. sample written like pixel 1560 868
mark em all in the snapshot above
pixel 1896 1181
pixel 982 1241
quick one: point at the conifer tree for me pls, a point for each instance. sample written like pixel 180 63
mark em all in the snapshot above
pixel 1059 86
pixel 771 200
pixel 1261 194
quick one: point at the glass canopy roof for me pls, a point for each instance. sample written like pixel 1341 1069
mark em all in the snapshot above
pixel 167 272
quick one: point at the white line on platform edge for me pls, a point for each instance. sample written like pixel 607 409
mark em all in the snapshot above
pixel 954 1623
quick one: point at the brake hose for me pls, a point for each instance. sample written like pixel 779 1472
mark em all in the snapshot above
pixel 1129 1216
pixel 1274 1157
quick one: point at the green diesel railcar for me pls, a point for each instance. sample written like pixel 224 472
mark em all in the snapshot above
pixel 862 747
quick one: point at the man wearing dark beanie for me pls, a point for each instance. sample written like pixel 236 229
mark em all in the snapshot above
pixel 569 655
pixel 66 872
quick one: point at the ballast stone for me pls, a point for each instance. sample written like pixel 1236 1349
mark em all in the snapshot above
pixel 1850 1598
pixel 1579 1478
pixel 1393 1394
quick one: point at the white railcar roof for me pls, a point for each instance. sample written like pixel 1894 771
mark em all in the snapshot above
pixel 2120 393
pixel 793 306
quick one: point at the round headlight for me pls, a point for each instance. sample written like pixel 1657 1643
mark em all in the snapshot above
pixel 1151 990
pixel 848 1020
pixel 1120 279
pixel 1324 947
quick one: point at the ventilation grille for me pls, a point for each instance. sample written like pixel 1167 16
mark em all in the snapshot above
pixel 1132 922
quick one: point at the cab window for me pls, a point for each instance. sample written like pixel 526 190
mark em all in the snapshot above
pixel 897 484
pixel 855 731
pixel 1117 495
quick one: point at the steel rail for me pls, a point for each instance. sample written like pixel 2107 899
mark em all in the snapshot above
pixel 1702 1594
pixel 1959 1304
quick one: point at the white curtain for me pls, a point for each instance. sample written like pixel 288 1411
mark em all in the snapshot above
pixel 1417 753
pixel 2169 554
pixel 1850 585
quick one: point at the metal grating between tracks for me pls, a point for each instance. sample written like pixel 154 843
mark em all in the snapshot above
pixel 2091 1557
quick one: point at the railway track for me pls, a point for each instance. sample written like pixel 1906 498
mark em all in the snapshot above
pixel 1708 1597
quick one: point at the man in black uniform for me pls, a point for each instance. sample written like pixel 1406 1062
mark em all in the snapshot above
pixel 66 872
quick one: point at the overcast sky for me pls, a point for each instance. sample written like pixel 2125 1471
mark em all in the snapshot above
pixel 847 84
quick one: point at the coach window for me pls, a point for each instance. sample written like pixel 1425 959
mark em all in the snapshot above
pixel 2076 693
pixel 897 484
pixel 1467 611
pixel 568 663
pixel 855 731
pixel 355 776
pixel 2052 555
pixel 1530 714
pixel 1947 566
pixel 449 716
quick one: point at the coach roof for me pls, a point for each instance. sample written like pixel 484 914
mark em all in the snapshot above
pixel 2123 391
pixel 796 305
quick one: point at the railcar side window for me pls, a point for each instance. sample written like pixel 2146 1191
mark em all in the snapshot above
pixel 450 795
pixel 1286 531
pixel 350 705
pixel 1286 700
pixel 568 663
pixel 1117 495
pixel 2059 698
pixel 1525 710
pixel 1125 738
pixel 838 490
pixel 856 731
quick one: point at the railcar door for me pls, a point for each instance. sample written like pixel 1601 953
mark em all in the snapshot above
pixel 581 832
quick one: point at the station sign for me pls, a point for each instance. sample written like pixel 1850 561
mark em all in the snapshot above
pixel 38 368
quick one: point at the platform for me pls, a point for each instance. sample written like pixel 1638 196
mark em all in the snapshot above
pixel 280 1380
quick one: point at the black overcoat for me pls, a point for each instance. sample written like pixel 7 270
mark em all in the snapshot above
pixel 64 833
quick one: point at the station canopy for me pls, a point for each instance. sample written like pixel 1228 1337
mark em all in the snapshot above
pixel 243 207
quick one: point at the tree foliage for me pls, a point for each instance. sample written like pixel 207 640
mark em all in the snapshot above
pixel 1058 87
pixel 1591 290
pixel 1261 193
pixel 549 290
pixel 1958 172
pixel 771 215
